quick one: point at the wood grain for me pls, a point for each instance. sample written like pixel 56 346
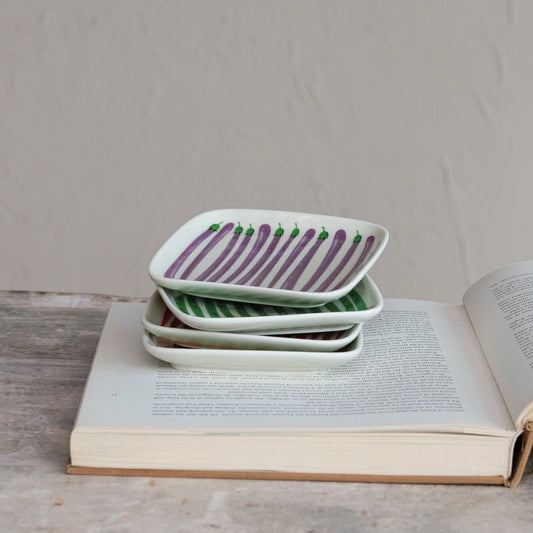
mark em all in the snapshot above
pixel 47 345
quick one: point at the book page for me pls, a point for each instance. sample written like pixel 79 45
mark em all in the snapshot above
pixel 421 366
pixel 500 306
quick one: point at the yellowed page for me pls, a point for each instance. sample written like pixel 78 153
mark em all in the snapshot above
pixel 500 307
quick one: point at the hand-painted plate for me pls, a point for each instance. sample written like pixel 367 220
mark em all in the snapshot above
pixel 160 321
pixel 360 304
pixel 244 360
pixel 272 257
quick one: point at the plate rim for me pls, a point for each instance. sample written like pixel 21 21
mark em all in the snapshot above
pixel 253 294
pixel 322 345
pixel 201 355
pixel 244 324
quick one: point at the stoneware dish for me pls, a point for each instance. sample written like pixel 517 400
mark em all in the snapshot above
pixel 160 321
pixel 249 360
pixel 272 257
pixel 360 304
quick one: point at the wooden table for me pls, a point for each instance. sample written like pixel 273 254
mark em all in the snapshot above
pixel 47 343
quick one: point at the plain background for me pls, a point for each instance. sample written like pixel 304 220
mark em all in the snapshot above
pixel 120 120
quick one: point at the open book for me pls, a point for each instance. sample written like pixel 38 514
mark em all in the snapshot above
pixel 440 393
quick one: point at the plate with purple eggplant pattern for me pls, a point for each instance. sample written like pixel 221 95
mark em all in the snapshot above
pixel 272 257
pixel 161 322
pixel 246 360
pixel 362 303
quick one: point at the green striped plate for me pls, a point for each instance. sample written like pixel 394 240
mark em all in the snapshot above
pixel 360 304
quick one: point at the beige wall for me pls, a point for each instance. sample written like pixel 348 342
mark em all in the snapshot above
pixel 120 120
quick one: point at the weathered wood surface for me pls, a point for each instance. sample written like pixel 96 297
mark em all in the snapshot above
pixel 47 344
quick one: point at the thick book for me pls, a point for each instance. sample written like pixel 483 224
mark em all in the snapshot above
pixel 440 393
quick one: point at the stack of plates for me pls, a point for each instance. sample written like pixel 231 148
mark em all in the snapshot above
pixel 244 289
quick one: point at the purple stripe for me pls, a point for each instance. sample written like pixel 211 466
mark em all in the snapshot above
pixel 167 314
pixel 308 235
pixel 338 269
pixel 229 263
pixel 266 271
pixel 364 254
pixel 215 264
pixel 173 268
pixel 262 235
pixel 269 251
pixel 338 241
pixel 294 276
pixel 220 234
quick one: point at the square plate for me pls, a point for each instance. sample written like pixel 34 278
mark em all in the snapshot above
pixel 249 360
pixel 360 304
pixel 160 321
pixel 272 257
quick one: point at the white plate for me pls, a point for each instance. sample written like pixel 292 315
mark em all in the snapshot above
pixel 273 257
pixel 361 304
pixel 254 360
pixel 160 321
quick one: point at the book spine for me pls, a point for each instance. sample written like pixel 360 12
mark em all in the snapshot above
pixel 522 452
